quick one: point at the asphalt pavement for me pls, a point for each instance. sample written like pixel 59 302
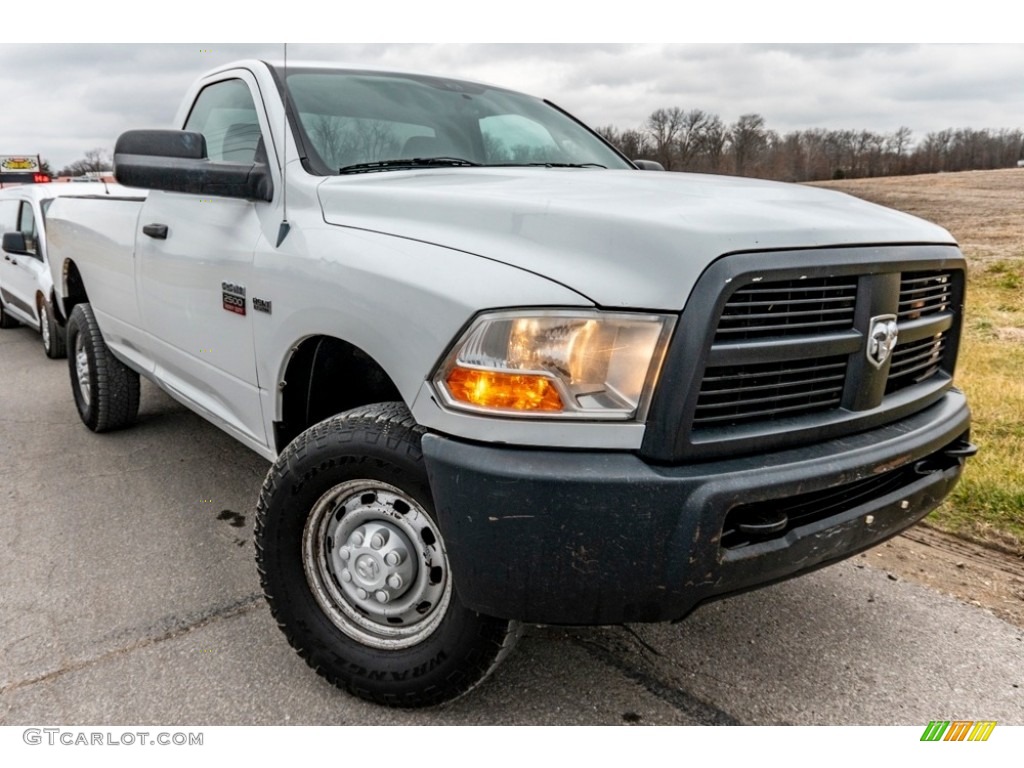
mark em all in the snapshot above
pixel 129 595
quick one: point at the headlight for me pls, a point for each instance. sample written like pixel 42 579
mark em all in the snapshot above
pixel 556 363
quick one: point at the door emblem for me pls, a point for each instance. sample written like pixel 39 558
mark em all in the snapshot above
pixel 233 297
pixel 882 339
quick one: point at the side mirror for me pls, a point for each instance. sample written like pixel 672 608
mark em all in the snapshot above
pixel 648 165
pixel 177 161
pixel 14 242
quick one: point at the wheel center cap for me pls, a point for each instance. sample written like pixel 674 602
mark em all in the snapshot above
pixel 368 568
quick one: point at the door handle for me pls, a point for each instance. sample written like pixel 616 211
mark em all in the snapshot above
pixel 156 231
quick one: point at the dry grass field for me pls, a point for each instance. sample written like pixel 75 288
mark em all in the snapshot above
pixel 984 210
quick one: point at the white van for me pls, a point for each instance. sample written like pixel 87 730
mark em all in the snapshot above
pixel 26 287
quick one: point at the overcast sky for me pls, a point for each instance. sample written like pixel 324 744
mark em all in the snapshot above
pixel 61 100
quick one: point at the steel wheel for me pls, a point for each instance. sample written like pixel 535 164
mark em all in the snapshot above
pixel 82 370
pixel 376 564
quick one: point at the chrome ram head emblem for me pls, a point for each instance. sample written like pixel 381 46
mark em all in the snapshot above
pixel 882 338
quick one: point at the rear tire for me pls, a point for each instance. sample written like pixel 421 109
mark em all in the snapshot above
pixel 54 340
pixel 106 390
pixel 354 567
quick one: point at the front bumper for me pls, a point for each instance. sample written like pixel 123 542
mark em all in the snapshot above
pixel 587 537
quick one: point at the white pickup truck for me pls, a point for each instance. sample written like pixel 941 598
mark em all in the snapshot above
pixel 504 375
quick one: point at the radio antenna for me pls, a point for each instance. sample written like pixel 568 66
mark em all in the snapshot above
pixel 282 231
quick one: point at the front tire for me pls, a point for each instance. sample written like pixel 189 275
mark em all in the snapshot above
pixel 106 390
pixel 354 566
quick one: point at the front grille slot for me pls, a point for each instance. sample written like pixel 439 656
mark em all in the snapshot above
pixel 924 293
pixel 741 394
pixel 915 362
pixel 788 308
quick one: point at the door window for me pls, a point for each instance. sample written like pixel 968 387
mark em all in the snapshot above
pixel 226 115
pixel 9 216
pixel 27 227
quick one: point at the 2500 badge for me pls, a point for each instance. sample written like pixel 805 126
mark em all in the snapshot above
pixel 233 297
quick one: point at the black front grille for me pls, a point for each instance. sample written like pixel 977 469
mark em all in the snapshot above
pixel 788 308
pixel 797 336
pixel 786 349
pixel 745 393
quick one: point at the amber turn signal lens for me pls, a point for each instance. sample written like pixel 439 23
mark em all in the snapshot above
pixel 511 391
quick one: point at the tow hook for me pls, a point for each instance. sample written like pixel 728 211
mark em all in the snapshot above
pixel 947 458
pixel 764 523
pixel 961 449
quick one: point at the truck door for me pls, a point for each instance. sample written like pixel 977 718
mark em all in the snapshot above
pixel 194 268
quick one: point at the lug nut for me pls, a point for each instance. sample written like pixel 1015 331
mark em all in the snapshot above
pixel 362 594
pixel 395 581
pixel 345 553
pixel 357 539
pixel 392 558
pixel 382 596
pixel 378 540
pixel 346 576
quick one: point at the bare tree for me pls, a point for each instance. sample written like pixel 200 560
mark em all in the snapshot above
pixel 663 127
pixel 712 142
pixel 748 138
pixel 635 145
pixel 96 159
pixel 691 131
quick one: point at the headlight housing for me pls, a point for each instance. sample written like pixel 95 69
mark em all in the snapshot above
pixel 565 364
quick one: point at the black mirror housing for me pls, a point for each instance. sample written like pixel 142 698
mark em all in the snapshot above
pixel 14 242
pixel 176 161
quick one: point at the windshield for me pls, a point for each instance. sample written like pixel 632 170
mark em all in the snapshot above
pixel 350 119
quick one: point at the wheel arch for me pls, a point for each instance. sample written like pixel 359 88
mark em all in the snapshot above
pixel 323 376
pixel 73 290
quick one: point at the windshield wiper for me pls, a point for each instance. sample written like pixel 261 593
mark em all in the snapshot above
pixel 408 162
pixel 552 165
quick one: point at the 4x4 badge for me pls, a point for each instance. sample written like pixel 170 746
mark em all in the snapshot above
pixel 882 338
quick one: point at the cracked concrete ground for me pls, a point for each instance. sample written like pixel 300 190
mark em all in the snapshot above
pixel 129 595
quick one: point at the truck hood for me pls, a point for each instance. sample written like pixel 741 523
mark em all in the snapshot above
pixel 621 238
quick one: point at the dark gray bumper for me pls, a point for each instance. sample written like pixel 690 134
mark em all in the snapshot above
pixel 562 537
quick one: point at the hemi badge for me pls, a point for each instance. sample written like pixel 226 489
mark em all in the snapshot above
pixel 261 305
